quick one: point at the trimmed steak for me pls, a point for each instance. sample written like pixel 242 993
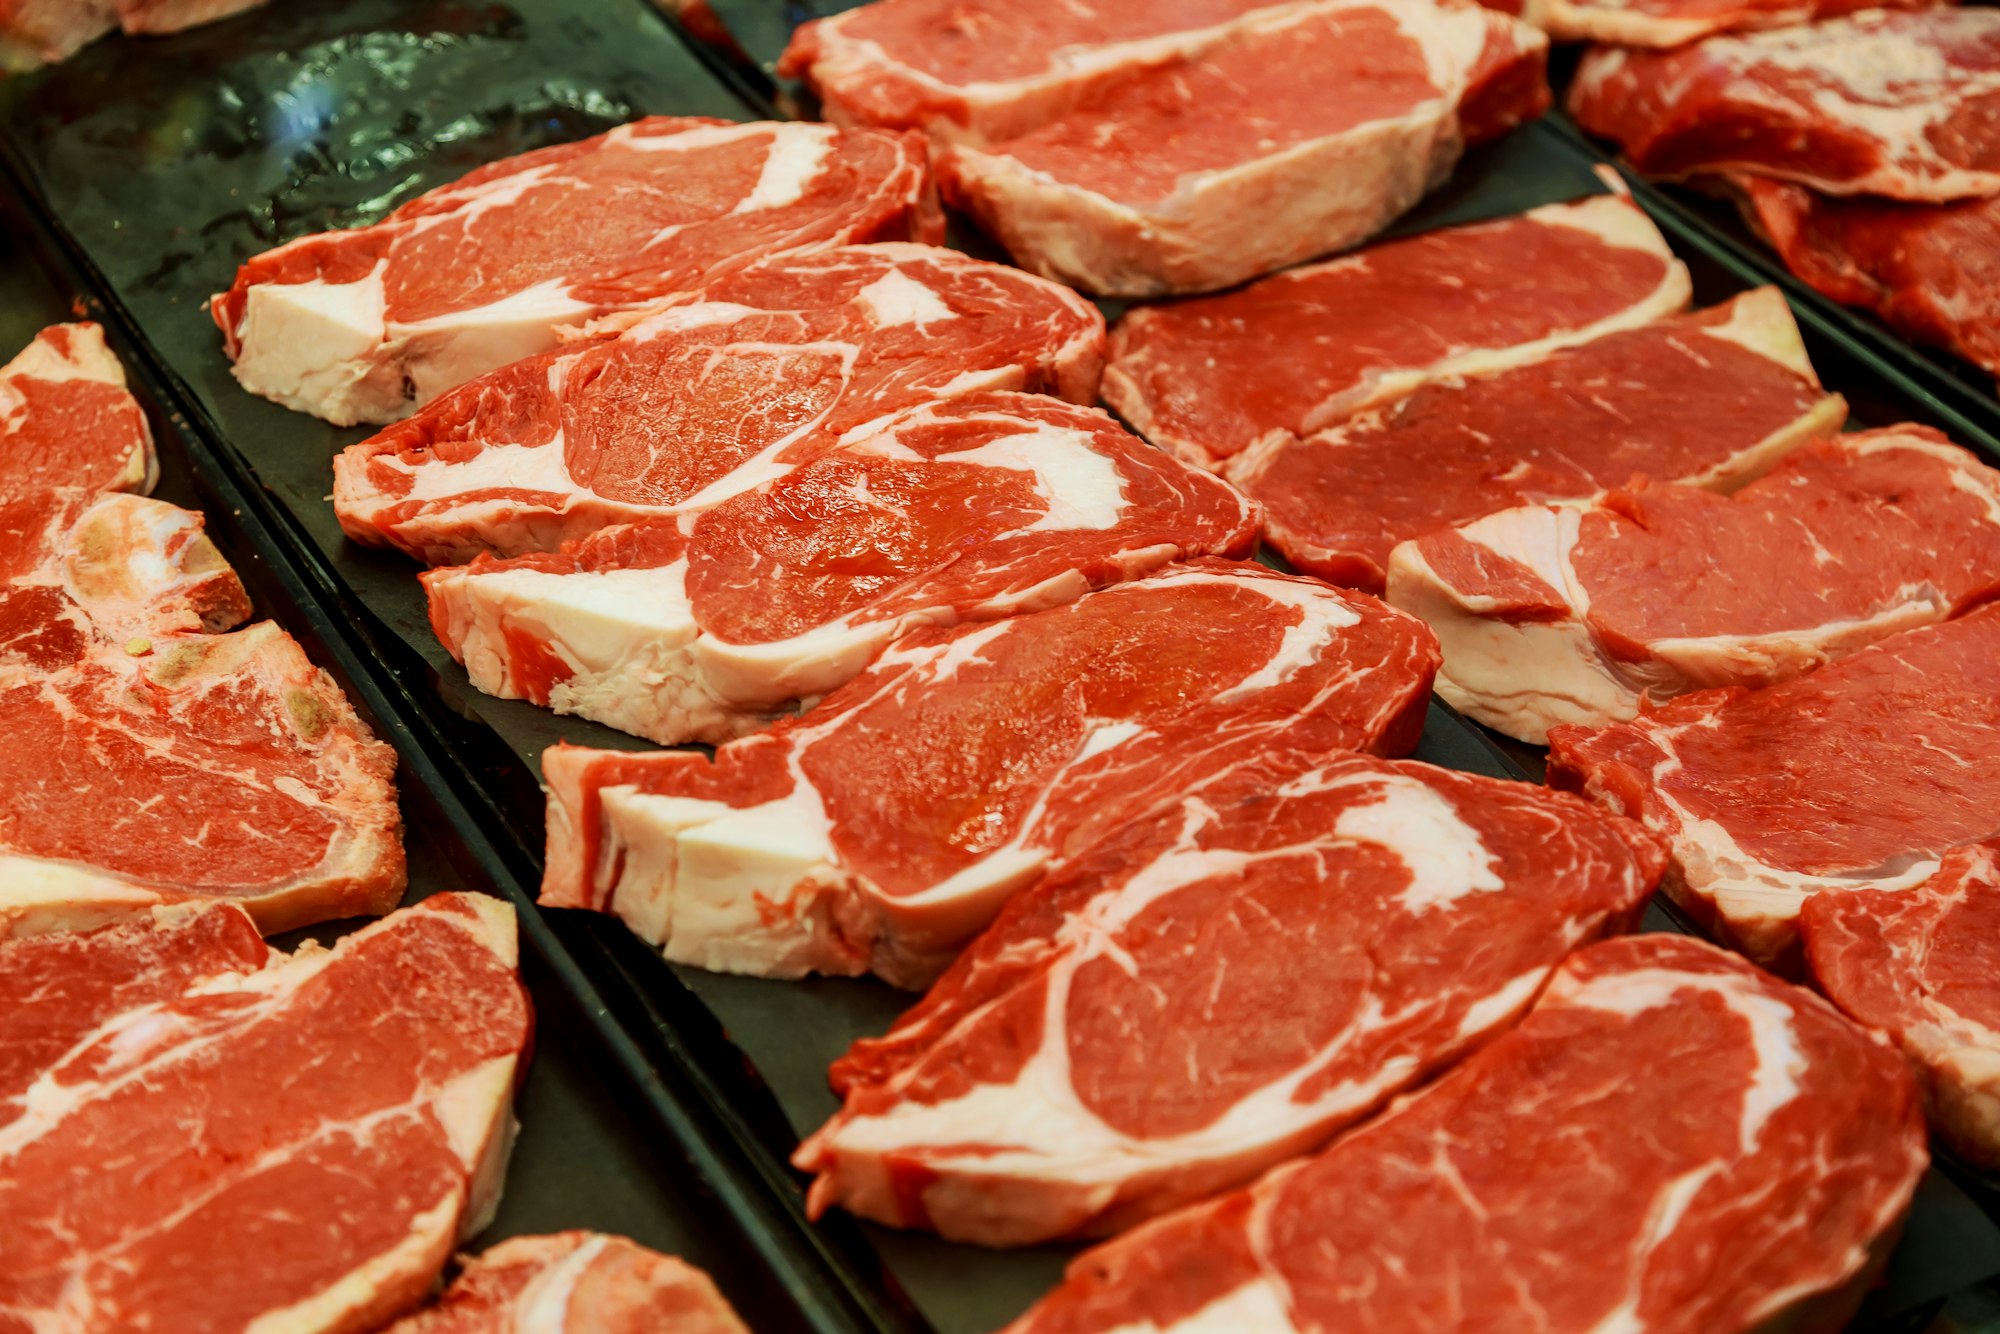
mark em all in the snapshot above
pixel 1923 965
pixel 1583 614
pixel 708 399
pixel 1902 103
pixel 884 829
pixel 704 628
pixel 1667 23
pixel 1217 988
pixel 574 1283
pixel 1310 347
pixel 1671 1141
pixel 1565 427
pixel 361 325
pixel 341 1114
pixel 1861 775
pixel 66 418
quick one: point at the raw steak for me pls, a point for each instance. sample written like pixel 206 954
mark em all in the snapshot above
pixel 1670 1142
pixel 1714 399
pixel 884 829
pixel 158 16
pixel 1308 348
pixel 1886 102
pixel 1860 775
pixel 1661 23
pixel 1581 614
pixel 708 399
pixel 1300 134
pixel 59 989
pixel 359 325
pixel 341 1115
pixel 1218 988
pixel 1923 965
pixel 1929 270
pixel 982 506
pixel 575 1283
pixel 66 418
pixel 975 69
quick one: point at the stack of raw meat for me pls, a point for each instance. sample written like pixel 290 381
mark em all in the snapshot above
pixel 1863 147
pixel 1132 148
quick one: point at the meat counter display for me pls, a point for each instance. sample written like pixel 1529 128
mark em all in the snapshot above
pixel 1088 744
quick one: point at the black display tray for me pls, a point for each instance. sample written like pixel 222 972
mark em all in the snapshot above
pixel 161 165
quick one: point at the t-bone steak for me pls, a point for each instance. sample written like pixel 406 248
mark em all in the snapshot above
pixel 1295 135
pixel 1671 1141
pixel 1900 103
pixel 1584 613
pixel 575 1283
pixel 1714 399
pixel 1217 988
pixel 709 398
pixel 360 325
pixel 152 762
pixel 1931 271
pixel 66 418
pixel 1306 349
pixel 703 629
pixel 340 1114
pixel 1861 775
pixel 1923 965
pixel 883 829
pixel 58 989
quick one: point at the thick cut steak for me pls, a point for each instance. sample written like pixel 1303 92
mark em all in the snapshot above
pixel 1584 613
pixel 1923 965
pixel 885 828
pixel 66 418
pixel 1931 271
pixel 984 69
pixel 575 1283
pixel 59 989
pixel 359 325
pixel 1671 1141
pixel 1308 348
pixel 982 506
pixel 1566 427
pixel 151 762
pixel 342 1115
pixel 1860 775
pixel 1668 23
pixel 1217 988
pixel 708 399
pixel 1298 134
pixel 1901 103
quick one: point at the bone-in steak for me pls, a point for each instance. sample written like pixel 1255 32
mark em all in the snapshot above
pixel 1861 775
pixel 1670 1141
pixel 359 325
pixel 1580 614
pixel 701 629
pixel 885 828
pixel 342 1115
pixel 1923 965
pixel 1305 349
pixel 1219 987
pixel 708 399
pixel 1900 103
pixel 1576 422
pixel 575 1283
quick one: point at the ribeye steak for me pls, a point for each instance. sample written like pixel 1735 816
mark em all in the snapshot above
pixel 704 628
pixel 359 325
pixel 1218 987
pixel 885 828
pixel 1671 1141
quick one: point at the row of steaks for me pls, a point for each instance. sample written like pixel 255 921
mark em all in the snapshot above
pixel 1131 802
pixel 172 1088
